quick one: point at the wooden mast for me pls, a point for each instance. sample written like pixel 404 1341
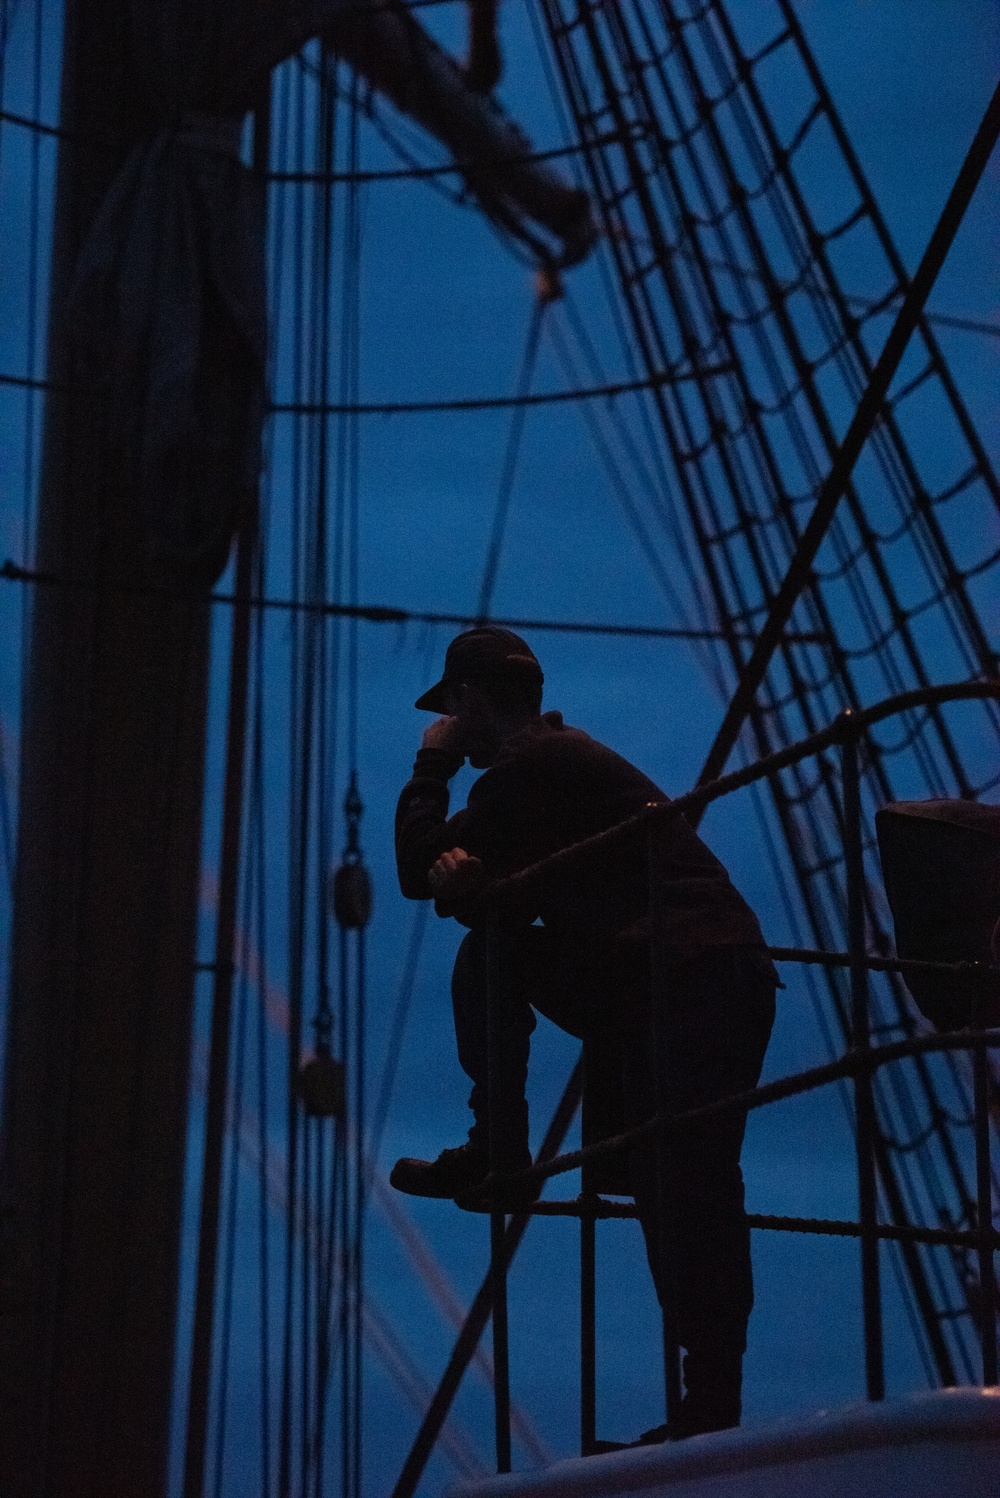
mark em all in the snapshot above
pixel 109 848
pixel 113 741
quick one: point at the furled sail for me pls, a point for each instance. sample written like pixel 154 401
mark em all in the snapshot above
pixel 167 308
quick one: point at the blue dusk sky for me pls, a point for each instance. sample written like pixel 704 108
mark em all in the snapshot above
pixel 444 311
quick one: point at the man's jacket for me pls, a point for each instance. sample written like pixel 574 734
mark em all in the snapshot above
pixel 551 787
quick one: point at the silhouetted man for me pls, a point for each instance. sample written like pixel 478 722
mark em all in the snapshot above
pixel 578 951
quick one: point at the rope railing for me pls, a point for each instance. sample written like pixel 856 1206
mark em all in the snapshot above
pixel 603 1210
pixel 852 1063
pixel 854 722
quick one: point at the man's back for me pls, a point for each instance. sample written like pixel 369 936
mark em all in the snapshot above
pixel 553 786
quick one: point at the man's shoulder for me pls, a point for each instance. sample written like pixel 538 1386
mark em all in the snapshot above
pixel 546 738
pixel 554 745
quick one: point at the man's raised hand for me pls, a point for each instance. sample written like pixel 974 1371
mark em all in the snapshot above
pixel 455 877
pixel 443 734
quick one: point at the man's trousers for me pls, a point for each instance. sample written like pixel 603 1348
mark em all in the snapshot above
pixel 702 1038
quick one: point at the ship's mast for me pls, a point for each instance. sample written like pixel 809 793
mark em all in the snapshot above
pixel 110 817
pixel 109 850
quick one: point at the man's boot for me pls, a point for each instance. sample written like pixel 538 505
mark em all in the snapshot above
pixel 462 1173
pixel 713 1384
pixel 451 1174
pixel 459 1173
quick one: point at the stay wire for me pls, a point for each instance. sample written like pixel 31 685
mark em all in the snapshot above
pixel 262 1087
pixel 397 1032
pixel 6 819
pixel 359 1207
pixel 386 614
pixel 508 470
pixel 353 1432
pixel 299 682
pixel 617 483
pixel 276 144
pixel 343 1311
pixel 250 875
pixel 328 530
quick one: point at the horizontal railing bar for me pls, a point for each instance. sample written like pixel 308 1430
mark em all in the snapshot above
pixel 604 1210
pixel 895 1233
pixel 876 964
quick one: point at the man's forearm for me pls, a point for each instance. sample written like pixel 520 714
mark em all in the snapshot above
pixel 421 816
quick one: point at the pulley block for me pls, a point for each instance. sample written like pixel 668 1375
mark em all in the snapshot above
pixel 351 895
pixel 321 1086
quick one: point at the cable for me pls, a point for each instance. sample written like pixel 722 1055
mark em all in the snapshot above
pixel 397 1032
pixel 382 614
pixel 672 376
pixel 417 173
pixel 6 820
pixel 508 469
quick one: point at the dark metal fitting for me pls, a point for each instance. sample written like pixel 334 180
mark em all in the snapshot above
pixel 351 895
pixel 321 1086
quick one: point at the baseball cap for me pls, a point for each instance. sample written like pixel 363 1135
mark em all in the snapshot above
pixel 481 654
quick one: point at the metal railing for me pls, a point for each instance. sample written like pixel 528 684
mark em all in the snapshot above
pixel 858 1064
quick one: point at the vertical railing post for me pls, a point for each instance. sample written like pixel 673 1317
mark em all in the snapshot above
pixel 864 1110
pixel 588 1288
pixel 984 1211
pixel 498 1103
pixel 664 1204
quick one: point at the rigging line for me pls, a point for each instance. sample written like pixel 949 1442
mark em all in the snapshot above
pixel 451 1305
pixel 864 419
pixel 318 1252
pixel 215 1112
pixel 492 402
pixel 261 946
pixel 5 24
pixel 6 821
pixel 416 408
pixel 297 758
pixel 481 1308
pixel 262 154
pixel 8 117
pixel 350 435
pixel 421 1257
pixel 616 479
pixel 352 1277
pixel 442 169
pixel 229 1265
pixel 397 1030
pixel 861 304
pixel 384 614
pixel 404 153
pixel 359 1179
pixel 505 490
pixel 381 1336
pixel 29 503
pixel 264 1158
